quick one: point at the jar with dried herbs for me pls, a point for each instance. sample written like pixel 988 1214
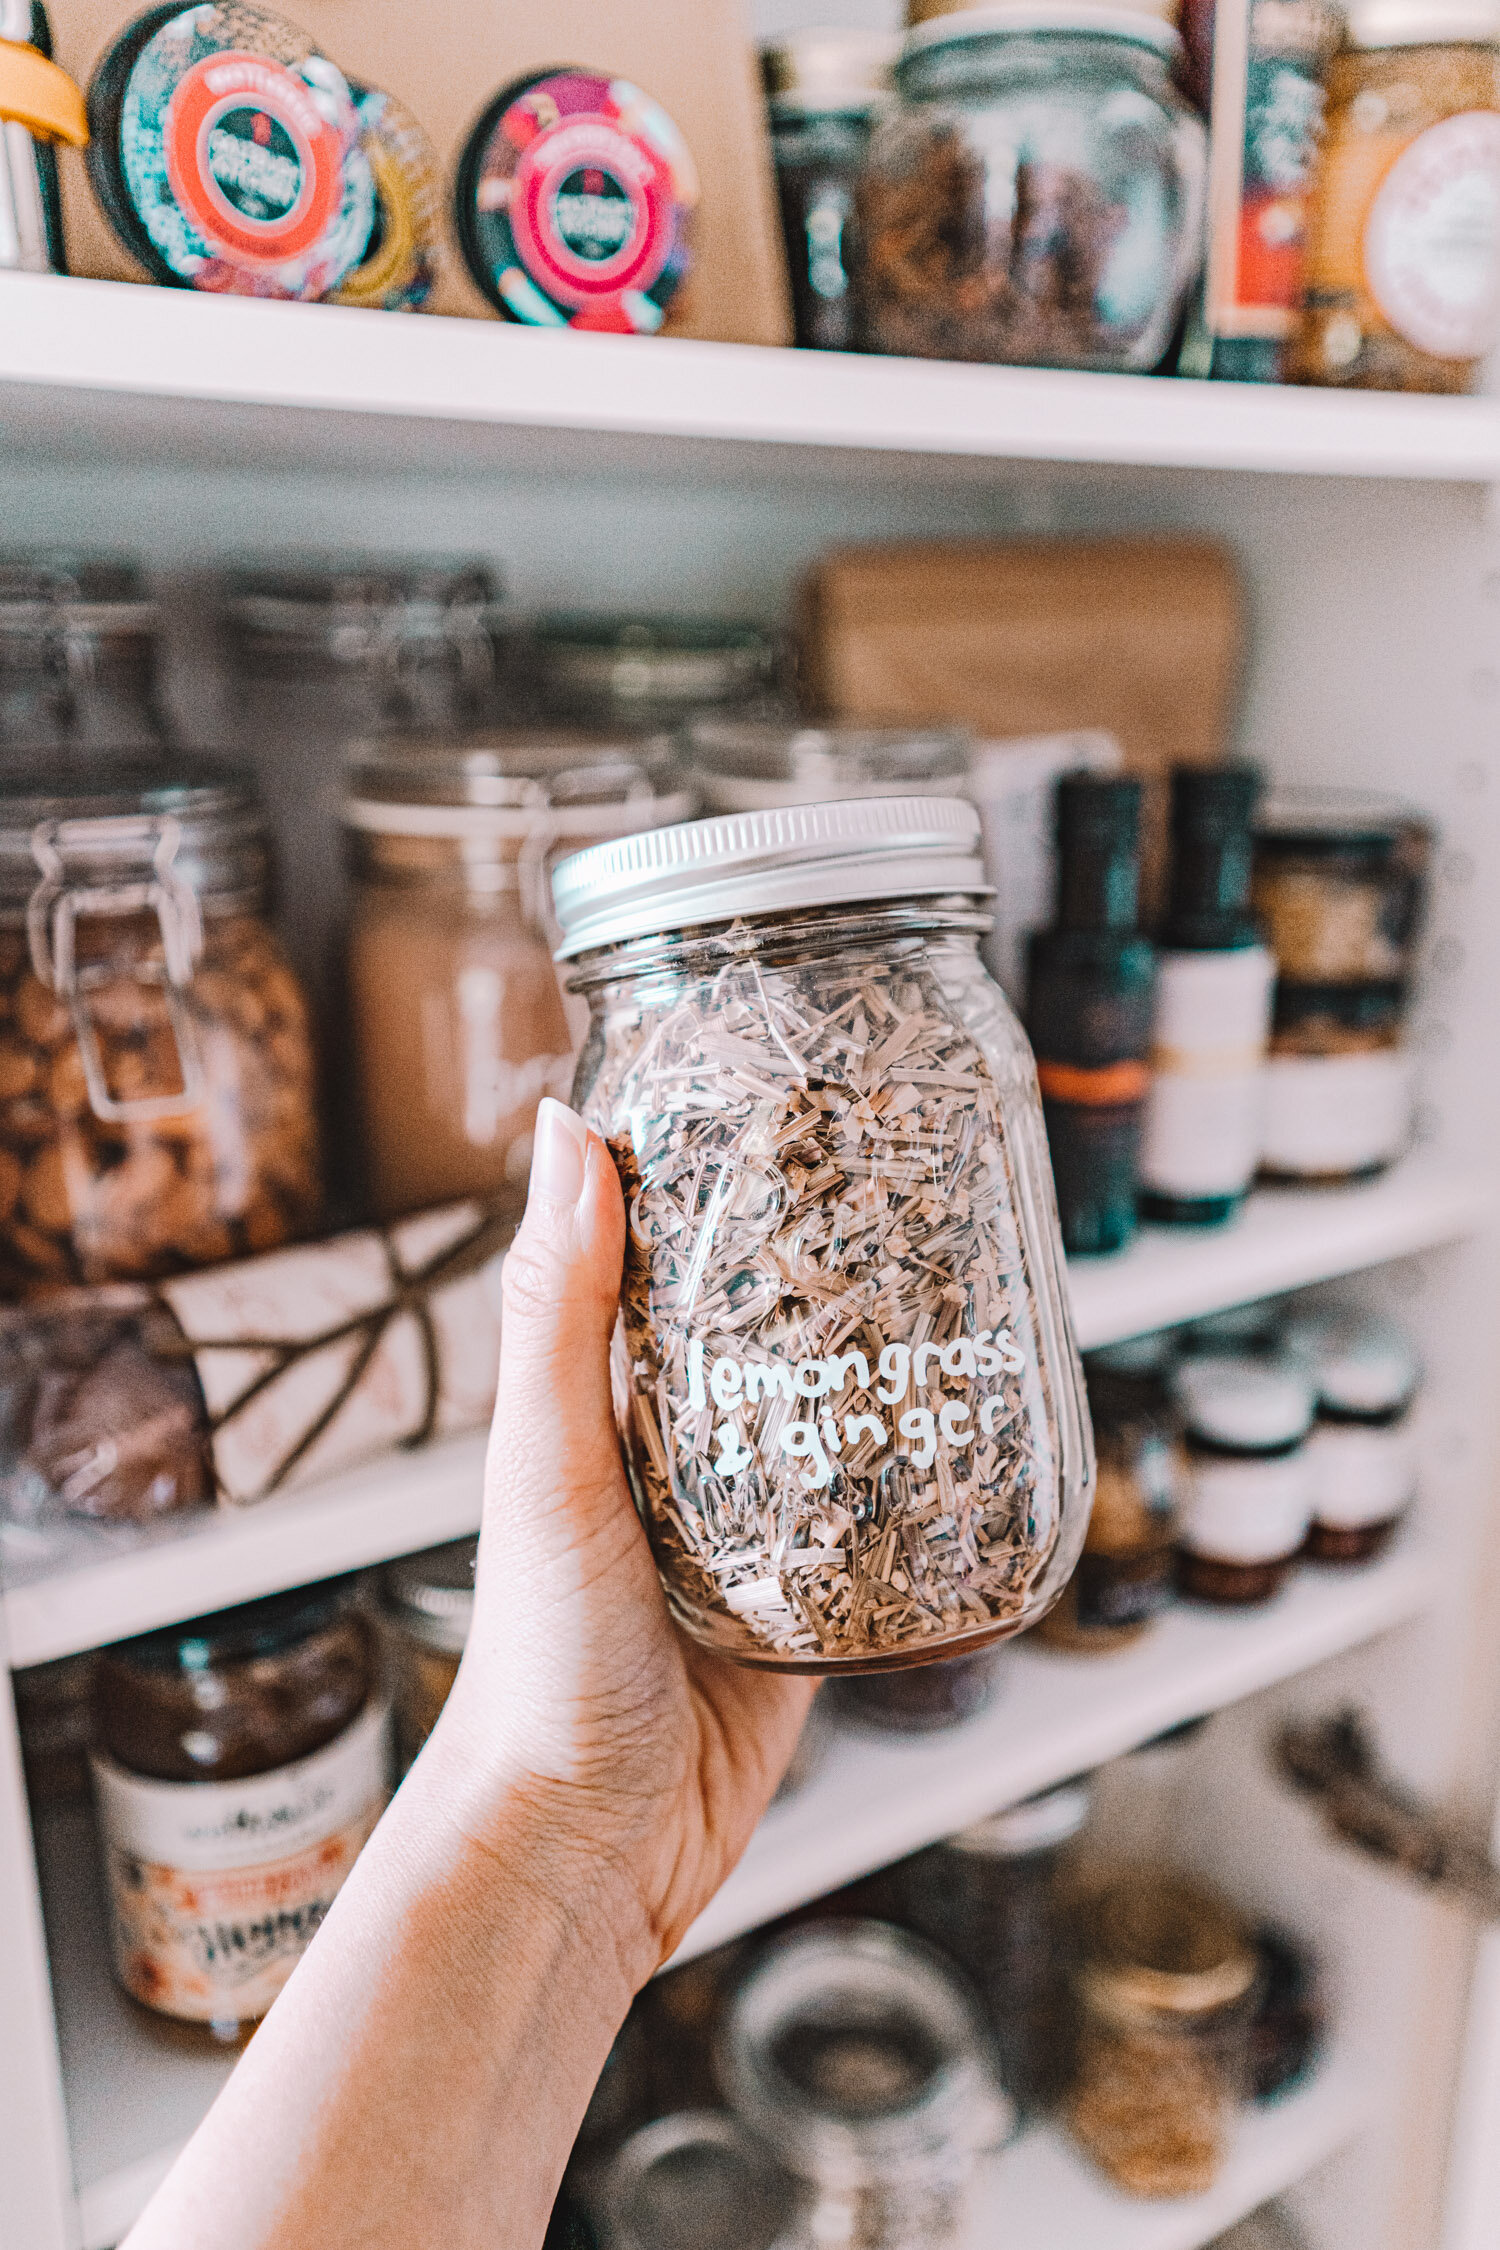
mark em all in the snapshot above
pixel 1166 1989
pixel 855 1420
pixel 1036 194
pixel 156 1075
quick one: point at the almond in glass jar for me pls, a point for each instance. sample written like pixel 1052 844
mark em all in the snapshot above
pixel 157 1103
pixel 459 1023
pixel 855 1414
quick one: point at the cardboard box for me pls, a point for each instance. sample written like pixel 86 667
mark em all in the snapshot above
pixel 447 62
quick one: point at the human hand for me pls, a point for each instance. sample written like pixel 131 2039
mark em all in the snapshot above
pixel 649 1759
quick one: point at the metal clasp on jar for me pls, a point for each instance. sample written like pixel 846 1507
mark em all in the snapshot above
pixel 53 914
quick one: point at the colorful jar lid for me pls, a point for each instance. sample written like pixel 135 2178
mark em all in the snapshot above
pixel 228 154
pixel 575 192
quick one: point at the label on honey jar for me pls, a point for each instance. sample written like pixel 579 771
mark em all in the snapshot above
pixel 216 1889
pixel 1432 239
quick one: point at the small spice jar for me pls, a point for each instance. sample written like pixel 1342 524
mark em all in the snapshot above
pixel 994 1898
pixel 1166 1987
pixel 1340 1084
pixel 823 87
pixel 1037 193
pixel 645 674
pixel 1124 1575
pixel 699 2180
pixel 1402 284
pixel 855 1414
pixel 156 1071
pixel 459 1025
pixel 1340 884
pixel 428 1601
pixel 747 765
pixel 1362 1458
pixel 241 1762
pixel 1247 1494
pixel 921 1701
pixel 856 2054
pixel 78 657
pixel 54 1718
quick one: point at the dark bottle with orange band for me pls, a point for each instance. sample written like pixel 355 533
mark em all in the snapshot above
pixel 1092 986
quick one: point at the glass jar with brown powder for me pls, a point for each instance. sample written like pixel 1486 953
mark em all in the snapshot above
pixel 459 1024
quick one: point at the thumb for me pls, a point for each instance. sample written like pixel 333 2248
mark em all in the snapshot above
pixel 554 1456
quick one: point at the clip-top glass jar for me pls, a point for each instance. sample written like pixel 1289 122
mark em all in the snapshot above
pixel 156 1073
pixel 1036 195
pixel 750 765
pixel 646 673
pixel 78 657
pixel 856 1422
pixel 459 1023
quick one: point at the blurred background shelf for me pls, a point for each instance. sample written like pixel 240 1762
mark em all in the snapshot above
pixel 94 369
pixel 78 1587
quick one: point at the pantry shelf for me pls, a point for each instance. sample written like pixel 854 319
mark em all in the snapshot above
pixel 91 369
pixel 135 2091
pixel 77 1587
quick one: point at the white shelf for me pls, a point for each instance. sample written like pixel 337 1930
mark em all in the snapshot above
pixel 84 1584
pixel 875 1798
pixel 93 367
pixel 136 2089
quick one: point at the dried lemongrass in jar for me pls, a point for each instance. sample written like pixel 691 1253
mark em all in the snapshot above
pixel 855 1417
pixel 458 1022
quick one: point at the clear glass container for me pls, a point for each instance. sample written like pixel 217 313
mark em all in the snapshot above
pixel 749 765
pixel 856 1423
pixel 649 674
pixel 1036 194
pixel 458 1022
pixel 78 657
pixel 856 2054
pixel 240 1764
pixel 995 1899
pixel 157 1107
pixel 428 1604
pixel 822 88
pixel 1124 1577
pixel 699 2180
pixel 1166 1989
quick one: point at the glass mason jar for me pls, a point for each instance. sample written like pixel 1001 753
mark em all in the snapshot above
pixel 647 674
pixel 78 657
pixel 240 1763
pixel 459 1024
pixel 822 89
pixel 156 1072
pixel 1166 1991
pixel 428 1605
pixel 699 2180
pixel 753 765
pixel 1036 195
pixel 856 2054
pixel 856 1420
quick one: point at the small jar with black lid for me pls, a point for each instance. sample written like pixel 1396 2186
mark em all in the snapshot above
pixel 428 1602
pixel 646 674
pixel 1247 1496
pixel 1362 1457
pixel 78 657
pixel 823 87
pixel 240 1764
pixel 157 1106
pixel 750 765
pixel 1124 1577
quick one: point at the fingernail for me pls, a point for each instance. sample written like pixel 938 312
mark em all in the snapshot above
pixel 558 1151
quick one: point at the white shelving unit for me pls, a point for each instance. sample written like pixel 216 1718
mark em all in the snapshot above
pixel 693 476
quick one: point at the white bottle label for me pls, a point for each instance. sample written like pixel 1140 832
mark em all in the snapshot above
pixel 1247 1511
pixel 1360 1475
pixel 1336 1113
pixel 1432 240
pixel 1204 1117
pixel 216 1888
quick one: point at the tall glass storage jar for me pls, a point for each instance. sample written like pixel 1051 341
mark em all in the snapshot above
pixel 458 1022
pixel 856 1418
pixel 1035 194
pixel 78 657
pixel 157 1106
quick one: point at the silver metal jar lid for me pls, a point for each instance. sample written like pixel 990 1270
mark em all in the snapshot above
pixel 1141 27
pixel 698 2180
pixel 748 765
pixel 758 863
pixel 432 1594
pixel 1423 23
pixel 510 785
pixel 828 70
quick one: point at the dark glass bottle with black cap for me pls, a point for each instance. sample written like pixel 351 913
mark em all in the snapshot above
pixel 1205 1115
pixel 1091 992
